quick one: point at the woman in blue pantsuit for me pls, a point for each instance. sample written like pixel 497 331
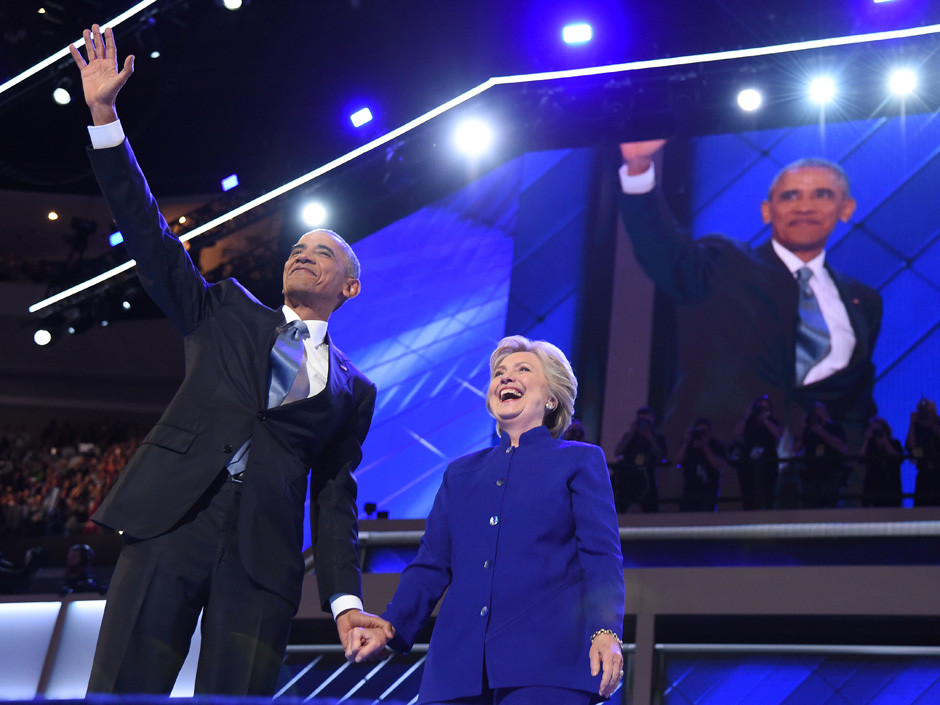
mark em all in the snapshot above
pixel 523 536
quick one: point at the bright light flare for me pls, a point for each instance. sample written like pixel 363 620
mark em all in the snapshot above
pixel 42 337
pixel 822 90
pixel 61 96
pixel 579 33
pixel 902 81
pixel 473 137
pixel 313 214
pixel 361 117
pixel 231 4
pixel 749 99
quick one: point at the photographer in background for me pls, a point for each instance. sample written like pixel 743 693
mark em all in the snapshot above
pixel 883 455
pixel 641 450
pixel 702 459
pixel 821 443
pixel 923 442
pixel 754 453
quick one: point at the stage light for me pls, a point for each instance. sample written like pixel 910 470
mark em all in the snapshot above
pixel 822 89
pixel 903 81
pixel 42 337
pixel 60 93
pixel 230 182
pixel 53 215
pixel 473 137
pixel 115 238
pixel 749 99
pixel 182 219
pixel 361 117
pixel 314 214
pixel 126 305
pixel 231 4
pixel 577 33
pixel 155 54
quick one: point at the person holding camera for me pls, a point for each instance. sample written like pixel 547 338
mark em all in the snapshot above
pixel 641 450
pixel 923 442
pixel 883 456
pixel 702 460
pixel 754 453
pixel 821 443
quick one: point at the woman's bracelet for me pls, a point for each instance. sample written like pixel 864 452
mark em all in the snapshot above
pixel 607 631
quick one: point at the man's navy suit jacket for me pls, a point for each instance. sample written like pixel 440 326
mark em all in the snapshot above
pixel 736 323
pixel 228 336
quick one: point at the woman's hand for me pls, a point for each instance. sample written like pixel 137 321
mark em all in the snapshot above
pixel 365 644
pixel 607 659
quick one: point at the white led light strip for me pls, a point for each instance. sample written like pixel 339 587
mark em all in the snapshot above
pixel 62 53
pixel 473 92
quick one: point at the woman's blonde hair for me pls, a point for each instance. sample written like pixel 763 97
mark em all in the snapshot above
pixel 562 384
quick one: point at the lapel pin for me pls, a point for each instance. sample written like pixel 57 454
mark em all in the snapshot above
pixel 343 367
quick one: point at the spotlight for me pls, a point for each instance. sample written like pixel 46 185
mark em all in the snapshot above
pixel 473 137
pixel 314 214
pixel 579 33
pixel 822 90
pixel 749 99
pixel 61 94
pixel 903 81
pixel 53 215
pixel 155 54
pixel 361 117
pixel 231 4
pixel 42 337
pixel 115 238
pixel 126 305
pixel 230 182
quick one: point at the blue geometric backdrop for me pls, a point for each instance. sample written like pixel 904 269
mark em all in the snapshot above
pixel 439 288
pixel 892 242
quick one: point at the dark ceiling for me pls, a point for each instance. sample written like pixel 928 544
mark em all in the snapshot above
pixel 266 91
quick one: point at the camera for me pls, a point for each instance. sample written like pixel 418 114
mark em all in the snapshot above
pixel 643 424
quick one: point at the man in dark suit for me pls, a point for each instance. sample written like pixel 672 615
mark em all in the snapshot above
pixel 740 330
pixel 211 507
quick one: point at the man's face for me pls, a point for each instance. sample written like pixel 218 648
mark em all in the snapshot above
pixel 804 208
pixel 315 273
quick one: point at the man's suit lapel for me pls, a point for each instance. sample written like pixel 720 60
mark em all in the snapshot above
pixel 857 317
pixel 781 285
pixel 338 376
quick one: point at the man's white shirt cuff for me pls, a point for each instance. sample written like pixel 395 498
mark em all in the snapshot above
pixel 341 603
pixel 104 136
pixel 638 183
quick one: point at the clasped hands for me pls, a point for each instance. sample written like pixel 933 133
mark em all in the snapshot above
pixel 363 635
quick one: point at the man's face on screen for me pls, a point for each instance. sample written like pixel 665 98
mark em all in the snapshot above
pixel 804 208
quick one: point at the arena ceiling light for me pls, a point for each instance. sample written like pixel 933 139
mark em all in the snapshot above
pixel 473 137
pixel 750 99
pixel 395 134
pixel 822 90
pixel 903 81
pixel 61 93
pixel 314 214
pixel 361 117
pixel 578 33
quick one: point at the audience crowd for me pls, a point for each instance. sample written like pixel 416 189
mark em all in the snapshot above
pixel 51 484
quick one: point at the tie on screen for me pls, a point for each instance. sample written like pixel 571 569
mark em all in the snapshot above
pixel 812 333
pixel 288 378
